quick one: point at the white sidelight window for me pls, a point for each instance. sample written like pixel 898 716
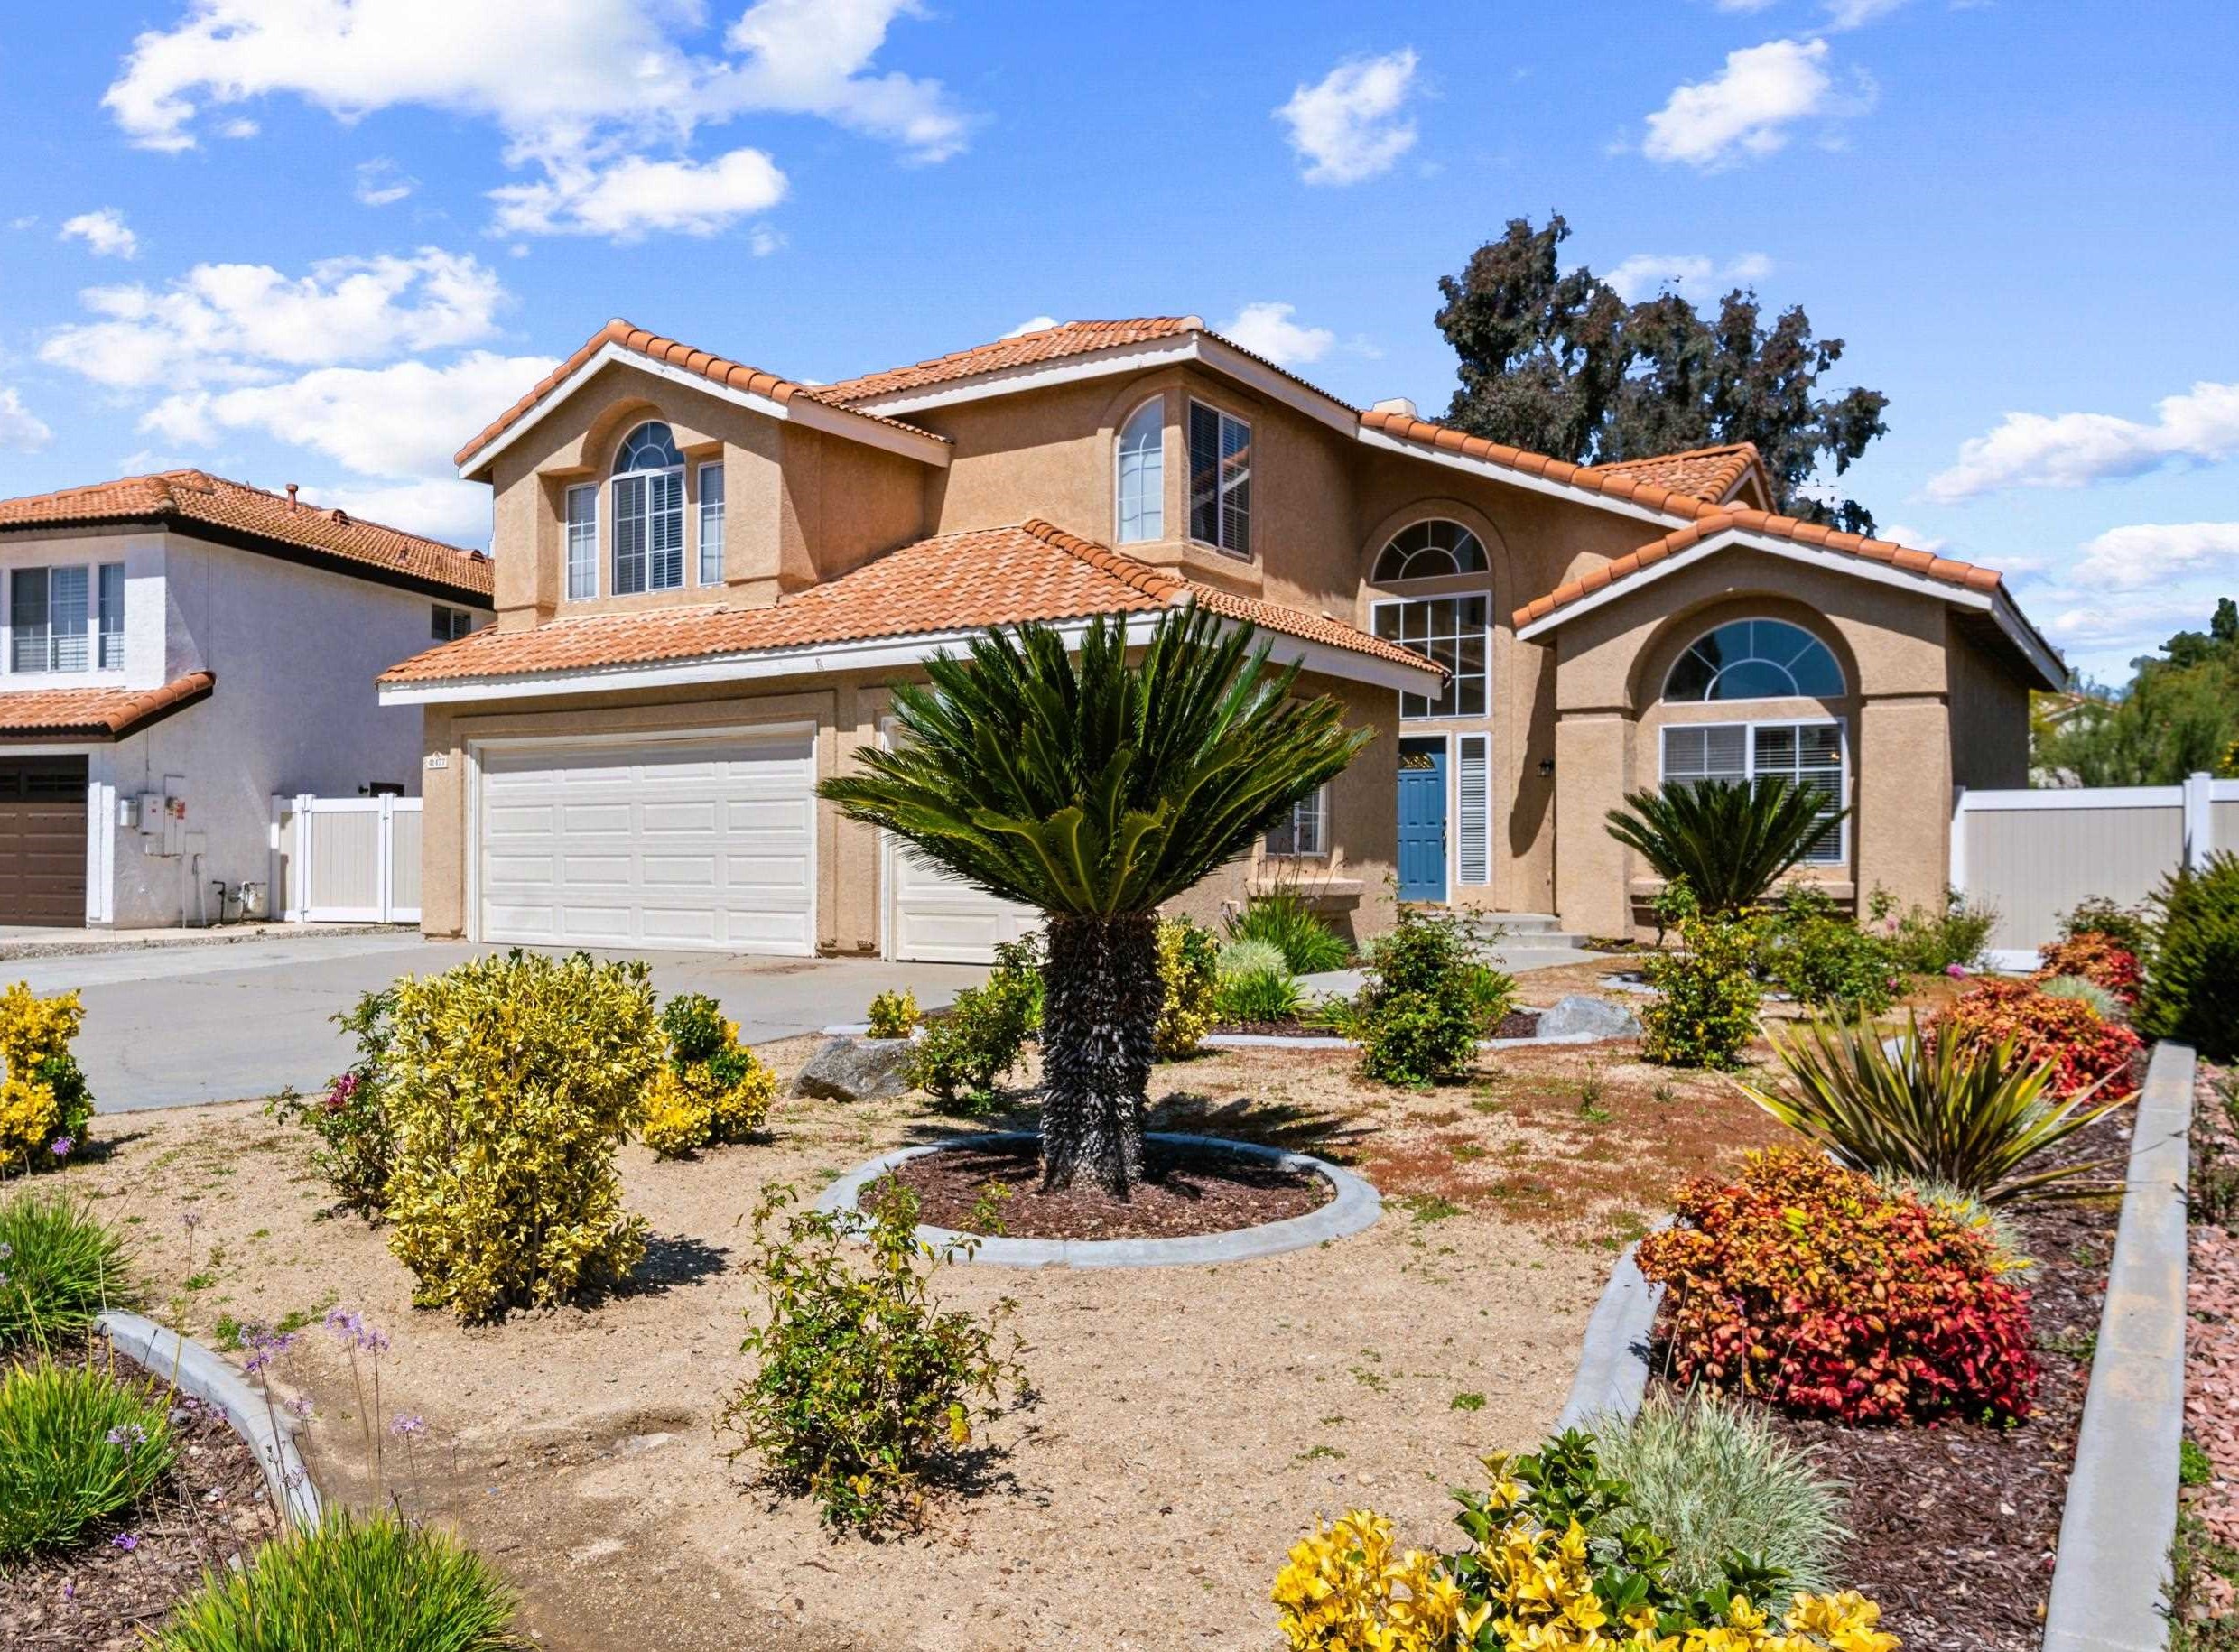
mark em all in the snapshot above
pixel 711 524
pixel 1306 832
pixel 1453 631
pixel 1219 479
pixel 582 542
pixel 1142 489
pixel 111 576
pixel 1473 809
pixel 648 513
pixel 1809 754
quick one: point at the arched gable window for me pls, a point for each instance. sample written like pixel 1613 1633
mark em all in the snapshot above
pixel 1143 473
pixel 1426 550
pixel 1755 659
pixel 648 511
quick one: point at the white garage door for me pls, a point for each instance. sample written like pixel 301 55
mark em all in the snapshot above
pixel 659 843
pixel 934 918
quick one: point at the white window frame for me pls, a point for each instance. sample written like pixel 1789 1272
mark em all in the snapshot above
pixel 648 513
pixel 709 515
pixel 1312 812
pixel 1485 710
pixel 1697 641
pixel 449 617
pixel 1750 726
pixel 589 565
pixel 1376 569
pixel 90 632
pixel 102 632
pixel 1222 485
pixel 1149 478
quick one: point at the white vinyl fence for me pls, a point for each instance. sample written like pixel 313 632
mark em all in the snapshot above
pixel 346 859
pixel 2034 854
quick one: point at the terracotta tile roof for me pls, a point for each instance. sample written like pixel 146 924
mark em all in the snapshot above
pixel 186 499
pixel 716 369
pixel 1708 474
pixel 1603 481
pixel 955 582
pixel 1967 575
pixel 1050 344
pixel 95 713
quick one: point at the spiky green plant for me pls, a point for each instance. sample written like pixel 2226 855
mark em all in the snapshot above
pixel 1094 789
pixel 76 1447
pixel 60 1267
pixel 1729 839
pixel 1969 1118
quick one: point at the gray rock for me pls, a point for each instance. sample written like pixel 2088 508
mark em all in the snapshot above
pixel 1576 1013
pixel 850 1069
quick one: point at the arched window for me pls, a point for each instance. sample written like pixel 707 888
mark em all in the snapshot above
pixel 1143 473
pixel 1424 550
pixel 1755 659
pixel 648 511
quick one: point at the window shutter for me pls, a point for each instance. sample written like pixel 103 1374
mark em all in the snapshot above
pixel 1476 782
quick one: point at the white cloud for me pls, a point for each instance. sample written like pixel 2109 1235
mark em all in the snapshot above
pixel 1746 110
pixel 1920 539
pixel 1858 13
pixel 1644 275
pixel 1348 125
pixel 1267 329
pixel 382 182
pixel 237 322
pixel 442 507
pixel 1032 324
pixel 105 232
pixel 19 426
pixel 239 127
pixel 2149 555
pixel 2117 627
pixel 1744 5
pixel 636 196
pixel 402 421
pixel 596 88
pixel 2072 450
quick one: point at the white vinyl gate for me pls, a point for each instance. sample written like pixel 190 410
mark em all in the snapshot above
pixel 347 859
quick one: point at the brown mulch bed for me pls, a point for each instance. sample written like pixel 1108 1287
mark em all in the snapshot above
pixel 1186 1192
pixel 2212 1334
pixel 1955 1525
pixel 211 1511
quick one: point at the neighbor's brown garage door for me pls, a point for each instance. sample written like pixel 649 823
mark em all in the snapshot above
pixel 42 840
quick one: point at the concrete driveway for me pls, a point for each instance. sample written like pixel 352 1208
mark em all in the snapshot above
pixel 168 1027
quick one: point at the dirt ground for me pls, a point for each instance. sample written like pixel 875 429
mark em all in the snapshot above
pixel 1188 1424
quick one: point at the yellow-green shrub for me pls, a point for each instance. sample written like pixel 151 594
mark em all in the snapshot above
pixel 895 1014
pixel 511 1081
pixel 44 1105
pixel 713 1089
pixel 1189 969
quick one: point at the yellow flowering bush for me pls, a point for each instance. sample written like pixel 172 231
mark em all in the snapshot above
pixel 1189 972
pixel 44 1105
pixel 1556 1563
pixel 713 1090
pixel 509 1082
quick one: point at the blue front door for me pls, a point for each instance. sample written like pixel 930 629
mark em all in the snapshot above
pixel 1422 819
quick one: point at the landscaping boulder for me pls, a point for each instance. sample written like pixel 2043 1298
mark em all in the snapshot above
pixel 1576 1013
pixel 851 1069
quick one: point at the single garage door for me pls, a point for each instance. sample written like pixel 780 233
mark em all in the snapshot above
pixel 934 918
pixel 700 843
pixel 43 842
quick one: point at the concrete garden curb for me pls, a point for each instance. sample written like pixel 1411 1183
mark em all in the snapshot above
pixel 1311 1041
pixel 1613 1365
pixel 197 1371
pixel 1356 1206
pixel 2112 1573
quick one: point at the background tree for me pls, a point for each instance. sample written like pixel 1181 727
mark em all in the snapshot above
pixel 1093 790
pixel 1555 361
pixel 2178 715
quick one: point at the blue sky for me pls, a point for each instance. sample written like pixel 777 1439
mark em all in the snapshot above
pixel 325 240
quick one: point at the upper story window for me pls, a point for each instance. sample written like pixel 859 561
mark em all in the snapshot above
pixel 1143 473
pixel 1429 550
pixel 582 542
pixel 1755 659
pixel 1219 479
pixel 1454 631
pixel 711 524
pixel 648 511
pixel 66 618
pixel 447 624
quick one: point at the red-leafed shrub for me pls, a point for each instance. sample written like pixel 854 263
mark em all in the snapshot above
pixel 2042 1026
pixel 1808 1287
pixel 2101 960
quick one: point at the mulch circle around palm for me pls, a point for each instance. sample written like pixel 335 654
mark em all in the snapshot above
pixel 1186 1192
pixel 211 1512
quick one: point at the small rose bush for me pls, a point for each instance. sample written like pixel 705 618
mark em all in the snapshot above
pixel 1811 1287
pixel 44 1104
pixel 2089 1050
pixel 351 1119
pixel 2101 960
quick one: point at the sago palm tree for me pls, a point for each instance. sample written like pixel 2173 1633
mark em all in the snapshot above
pixel 1729 839
pixel 1093 790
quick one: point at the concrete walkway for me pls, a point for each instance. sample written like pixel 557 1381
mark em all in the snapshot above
pixel 173 1025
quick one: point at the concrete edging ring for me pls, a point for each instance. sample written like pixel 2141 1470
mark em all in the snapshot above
pixel 1355 1207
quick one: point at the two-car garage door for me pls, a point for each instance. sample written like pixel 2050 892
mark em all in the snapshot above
pixel 699 843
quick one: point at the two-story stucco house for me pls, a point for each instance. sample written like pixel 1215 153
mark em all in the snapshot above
pixel 708 575
pixel 178 650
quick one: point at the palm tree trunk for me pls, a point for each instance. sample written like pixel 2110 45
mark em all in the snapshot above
pixel 1101 1002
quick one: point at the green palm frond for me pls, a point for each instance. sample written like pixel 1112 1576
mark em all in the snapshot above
pixel 1729 839
pixel 1085 785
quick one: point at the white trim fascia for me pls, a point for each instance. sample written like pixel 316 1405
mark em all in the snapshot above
pixel 1385 442
pixel 2023 636
pixel 874 653
pixel 1833 561
pixel 805 409
pixel 2073 797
